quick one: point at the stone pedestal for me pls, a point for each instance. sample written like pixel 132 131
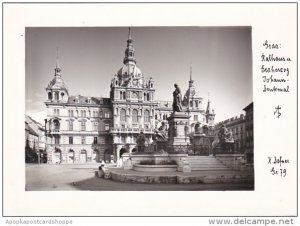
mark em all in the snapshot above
pixel 178 140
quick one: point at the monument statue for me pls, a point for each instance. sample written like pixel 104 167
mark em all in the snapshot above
pixel 177 99
pixel 225 135
pixel 162 133
pixel 226 139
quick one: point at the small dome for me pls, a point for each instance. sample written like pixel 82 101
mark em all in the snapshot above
pixel 57 83
pixel 191 93
pixel 130 70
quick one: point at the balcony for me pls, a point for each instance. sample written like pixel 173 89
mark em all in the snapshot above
pixel 54 131
pixel 131 130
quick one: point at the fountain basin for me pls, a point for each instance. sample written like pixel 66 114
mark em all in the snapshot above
pixel 155 168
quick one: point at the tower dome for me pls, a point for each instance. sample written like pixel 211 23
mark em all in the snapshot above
pixel 129 74
pixel 57 89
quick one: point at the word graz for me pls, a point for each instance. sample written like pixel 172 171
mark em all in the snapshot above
pixel 267 45
pixel 270 79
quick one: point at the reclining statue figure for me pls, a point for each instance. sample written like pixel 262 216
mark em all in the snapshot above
pixel 161 134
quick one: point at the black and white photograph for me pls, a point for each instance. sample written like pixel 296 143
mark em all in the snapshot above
pixel 146 110
pixel 139 108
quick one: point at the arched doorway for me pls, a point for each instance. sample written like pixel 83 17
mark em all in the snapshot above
pixel 83 156
pixel 197 128
pixel 95 156
pixel 107 155
pixel 205 130
pixel 122 151
pixel 71 156
pixel 56 156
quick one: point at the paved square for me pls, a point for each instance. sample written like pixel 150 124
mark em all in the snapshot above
pixel 82 177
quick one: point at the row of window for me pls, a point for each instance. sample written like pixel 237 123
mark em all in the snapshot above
pixel 56 95
pixel 83 126
pixel 83 140
pixel 196 103
pixel 134 116
pixel 147 96
pixel 83 113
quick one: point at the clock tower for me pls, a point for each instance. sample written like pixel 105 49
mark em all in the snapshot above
pixel 133 105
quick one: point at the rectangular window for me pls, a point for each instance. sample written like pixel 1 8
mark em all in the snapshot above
pixel 56 112
pixel 123 139
pixel 70 140
pixel 71 113
pixel 106 127
pixel 95 140
pixel 71 125
pixel 83 113
pixel 134 116
pixel 106 114
pixel 146 116
pixel 56 140
pixel 95 126
pixel 82 140
pixel 195 117
pixel 82 126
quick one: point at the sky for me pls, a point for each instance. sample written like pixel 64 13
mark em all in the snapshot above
pixel 220 58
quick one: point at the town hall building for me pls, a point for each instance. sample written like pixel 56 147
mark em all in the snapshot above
pixel 85 129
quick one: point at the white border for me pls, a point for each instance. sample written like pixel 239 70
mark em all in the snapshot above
pixel 273 196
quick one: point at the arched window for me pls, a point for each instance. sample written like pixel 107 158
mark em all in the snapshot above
pixel 148 96
pixel 155 116
pixel 134 115
pixel 49 96
pixel 56 96
pixel 56 124
pixel 122 115
pixel 121 95
pixel 146 117
pixel 145 96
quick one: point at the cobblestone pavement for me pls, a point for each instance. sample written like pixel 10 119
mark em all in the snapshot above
pixel 82 177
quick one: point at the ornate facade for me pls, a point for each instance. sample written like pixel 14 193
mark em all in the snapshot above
pixel 83 129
